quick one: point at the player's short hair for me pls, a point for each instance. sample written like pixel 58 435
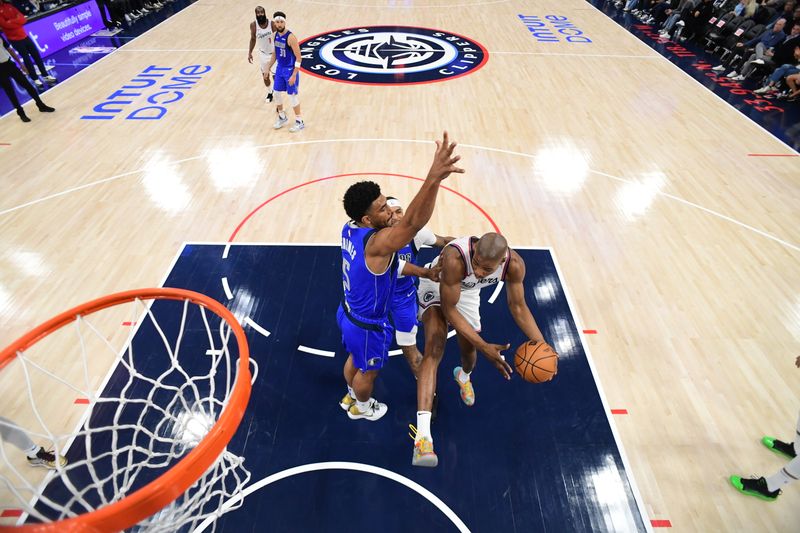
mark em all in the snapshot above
pixel 492 246
pixel 359 198
pixel 261 8
pixel 279 14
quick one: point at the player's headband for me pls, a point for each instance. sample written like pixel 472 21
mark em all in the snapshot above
pixel 279 19
pixel 392 202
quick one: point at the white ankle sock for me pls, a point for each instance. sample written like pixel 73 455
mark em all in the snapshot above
pixel 784 476
pixel 424 425
pixel 363 406
pixel 350 392
pixel 463 377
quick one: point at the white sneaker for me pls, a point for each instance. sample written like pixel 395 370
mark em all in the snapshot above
pixel 297 127
pixel 732 74
pixel 375 410
pixel 718 68
pixel 763 90
pixel 758 61
pixel 50 79
pixel 738 78
pixel 280 122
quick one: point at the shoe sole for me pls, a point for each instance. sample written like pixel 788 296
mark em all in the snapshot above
pixel 365 417
pixel 426 462
pixel 764 441
pixel 345 406
pixel 736 481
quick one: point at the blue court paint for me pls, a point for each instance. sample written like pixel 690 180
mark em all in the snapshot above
pixel 523 458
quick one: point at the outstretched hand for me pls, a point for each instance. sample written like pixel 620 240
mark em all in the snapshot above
pixel 494 355
pixel 444 162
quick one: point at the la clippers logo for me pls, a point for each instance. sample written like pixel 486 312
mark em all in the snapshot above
pixel 391 55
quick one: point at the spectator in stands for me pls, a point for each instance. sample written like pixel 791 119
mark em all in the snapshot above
pixel 759 45
pixel 12 23
pixel 9 71
pixel 684 8
pixel 787 14
pixel 784 71
pixel 793 81
pixel 697 19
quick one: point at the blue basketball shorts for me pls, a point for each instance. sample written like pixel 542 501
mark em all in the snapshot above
pixel 367 343
pixel 282 82
pixel 404 316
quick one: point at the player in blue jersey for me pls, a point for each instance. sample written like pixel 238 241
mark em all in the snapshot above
pixel 404 307
pixel 287 74
pixel 369 272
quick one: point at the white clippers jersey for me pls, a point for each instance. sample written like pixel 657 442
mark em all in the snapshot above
pixel 465 245
pixel 264 38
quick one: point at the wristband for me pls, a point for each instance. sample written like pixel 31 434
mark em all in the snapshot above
pixel 297 64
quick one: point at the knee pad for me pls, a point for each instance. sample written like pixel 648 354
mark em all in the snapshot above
pixel 294 100
pixel 279 97
pixel 406 338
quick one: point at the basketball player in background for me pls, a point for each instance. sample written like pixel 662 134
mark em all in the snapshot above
pixel 770 488
pixel 261 33
pixel 468 264
pixel 37 455
pixel 369 271
pixel 404 308
pixel 287 74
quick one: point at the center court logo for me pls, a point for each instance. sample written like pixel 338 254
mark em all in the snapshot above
pixel 391 55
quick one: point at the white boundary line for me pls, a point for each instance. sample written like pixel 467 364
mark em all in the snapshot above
pixel 706 89
pixel 339 465
pixel 314 351
pixel 413 141
pixel 81 71
pixel 227 288
pixel 606 409
pixel 252 323
pixel 494 53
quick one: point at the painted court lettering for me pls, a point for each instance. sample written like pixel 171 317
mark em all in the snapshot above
pixel 553 29
pixel 147 95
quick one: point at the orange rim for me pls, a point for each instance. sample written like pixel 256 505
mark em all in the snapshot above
pixel 169 486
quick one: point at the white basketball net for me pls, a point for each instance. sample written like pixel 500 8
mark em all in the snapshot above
pixel 135 427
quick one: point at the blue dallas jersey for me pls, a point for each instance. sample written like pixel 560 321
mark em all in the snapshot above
pixel 409 253
pixel 284 53
pixel 367 296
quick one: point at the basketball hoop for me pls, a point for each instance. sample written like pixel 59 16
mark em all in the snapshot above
pixel 153 438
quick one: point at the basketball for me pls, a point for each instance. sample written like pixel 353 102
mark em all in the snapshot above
pixel 536 362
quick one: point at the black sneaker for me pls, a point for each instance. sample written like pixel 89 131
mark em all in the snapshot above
pixel 785 449
pixel 755 487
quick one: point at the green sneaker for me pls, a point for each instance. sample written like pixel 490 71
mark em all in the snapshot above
pixel 783 449
pixel 755 487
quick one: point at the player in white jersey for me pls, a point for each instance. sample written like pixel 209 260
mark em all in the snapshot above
pixel 468 265
pixel 262 33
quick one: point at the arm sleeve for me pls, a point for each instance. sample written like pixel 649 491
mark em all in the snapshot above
pixel 424 237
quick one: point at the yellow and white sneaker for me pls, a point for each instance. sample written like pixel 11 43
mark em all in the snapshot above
pixel 423 450
pixel 467 392
pixel 375 410
pixel 347 401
